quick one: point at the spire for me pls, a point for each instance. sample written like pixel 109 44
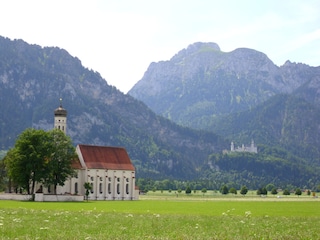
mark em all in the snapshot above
pixel 60 118
pixel 60 111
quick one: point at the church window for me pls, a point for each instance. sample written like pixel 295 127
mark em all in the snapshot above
pixel 127 179
pixel 118 188
pixel 101 179
pixel 109 179
pixel 118 179
pixel 49 189
pixel 100 188
pixel 91 178
pixel 76 188
pixel 127 188
pixel 109 188
pixel 91 187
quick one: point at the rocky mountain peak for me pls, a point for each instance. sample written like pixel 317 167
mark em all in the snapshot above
pixel 196 48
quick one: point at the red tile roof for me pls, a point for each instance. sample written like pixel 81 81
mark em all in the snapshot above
pixel 75 164
pixel 103 157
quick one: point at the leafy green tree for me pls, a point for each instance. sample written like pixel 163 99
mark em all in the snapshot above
pixel 244 190
pixel 286 192
pixel 26 161
pixel 59 164
pixel 203 190
pixel 3 176
pixel 224 189
pixel 40 156
pixel 188 190
pixel 270 186
pixel 262 191
pixel 233 190
pixel 88 187
pixel 298 192
pixel 274 191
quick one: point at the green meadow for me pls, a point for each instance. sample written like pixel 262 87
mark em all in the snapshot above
pixel 169 217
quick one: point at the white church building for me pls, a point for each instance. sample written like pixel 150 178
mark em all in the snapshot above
pixel 109 170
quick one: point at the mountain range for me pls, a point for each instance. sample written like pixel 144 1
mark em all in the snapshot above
pixel 33 79
pixel 240 95
pixel 176 121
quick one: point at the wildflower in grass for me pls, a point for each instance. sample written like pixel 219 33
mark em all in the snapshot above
pixel 46 220
pixel 16 220
pixel 247 213
pixel 1 224
pixel 129 215
pixel 44 228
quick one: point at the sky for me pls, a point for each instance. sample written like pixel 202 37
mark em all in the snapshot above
pixel 119 39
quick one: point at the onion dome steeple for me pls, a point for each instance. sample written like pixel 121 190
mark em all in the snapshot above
pixel 60 118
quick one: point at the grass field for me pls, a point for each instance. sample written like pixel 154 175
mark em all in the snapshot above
pixel 166 217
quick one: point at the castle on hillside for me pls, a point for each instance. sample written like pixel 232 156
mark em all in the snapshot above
pixel 252 148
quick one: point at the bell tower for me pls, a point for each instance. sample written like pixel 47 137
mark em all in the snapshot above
pixel 60 118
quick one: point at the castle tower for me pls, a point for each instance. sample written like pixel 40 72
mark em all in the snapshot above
pixel 60 118
pixel 232 147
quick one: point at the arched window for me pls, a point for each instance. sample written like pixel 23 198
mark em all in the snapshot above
pixel 127 188
pixel 76 188
pixel 109 188
pixel 118 188
pixel 91 187
pixel 100 188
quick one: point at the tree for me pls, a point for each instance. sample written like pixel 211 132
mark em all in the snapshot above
pixel 244 190
pixel 274 191
pixel 262 191
pixel 59 164
pixel 188 190
pixel 233 190
pixel 224 189
pixel 203 190
pixel 40 156
pixel 88 187
pixel 270 186
pixel 3 177
pixel 25 162
pixel 286 192
pixel 298 192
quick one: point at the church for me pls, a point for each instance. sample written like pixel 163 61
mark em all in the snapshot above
pixel 107 169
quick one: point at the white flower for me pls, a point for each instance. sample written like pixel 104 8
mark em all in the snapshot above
pixel 247 213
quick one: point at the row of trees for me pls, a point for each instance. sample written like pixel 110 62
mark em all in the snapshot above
pixel 146 185
pixel 40 156
pixel 244 190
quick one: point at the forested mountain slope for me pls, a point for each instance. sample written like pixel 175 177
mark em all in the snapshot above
pixel 32 79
